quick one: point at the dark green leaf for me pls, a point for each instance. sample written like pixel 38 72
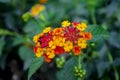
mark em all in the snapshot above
pixel 26 55
pixel 67 72
pixel 98 32
pixel 114 40
pixel 32 28
pixel 116 62
pixel 35 65
pixel 2 43
pixel 18 40
pixel 5 1
pixel 101 67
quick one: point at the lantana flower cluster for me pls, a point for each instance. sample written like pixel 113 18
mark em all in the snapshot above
pixel 71 37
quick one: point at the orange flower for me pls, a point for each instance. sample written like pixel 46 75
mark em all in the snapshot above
pixel 87 35
pixel 47 59
pixel 57 31
pixel 76 50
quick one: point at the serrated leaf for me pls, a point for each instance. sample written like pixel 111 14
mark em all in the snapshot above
pixel 98 32
pixel 67 72
pixel 2 43
pixel 35 65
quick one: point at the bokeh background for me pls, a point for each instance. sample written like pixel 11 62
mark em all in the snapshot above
pixel 17 31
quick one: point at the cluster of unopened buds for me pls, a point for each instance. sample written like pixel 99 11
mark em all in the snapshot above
pixel 71 37
pixel 79 72
pixel 60 62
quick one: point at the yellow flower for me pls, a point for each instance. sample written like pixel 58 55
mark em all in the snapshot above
pixel 68 46
pixel 36 9
pixel 39 52
pixel 46 30
pixel 84 25
pixel 41 34
pixel 35 38
pixel 52 45
pixel 38 44
pixel 81 26
pixel 65 23
pixel 50 53
pixel 82 43
pixel 60 41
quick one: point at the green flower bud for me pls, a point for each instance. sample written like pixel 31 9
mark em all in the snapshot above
pixel 26 16
pixel 79 72
pixel 60 62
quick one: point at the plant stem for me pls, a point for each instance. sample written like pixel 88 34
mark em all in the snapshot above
pixel 79 60
pixel 92 13
pixel 79 78
pixel 114 68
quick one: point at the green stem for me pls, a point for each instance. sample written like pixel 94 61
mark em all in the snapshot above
pixel 79 64
pixel 79 60
pixel 92 13
pixel 79 78
pixel 114 68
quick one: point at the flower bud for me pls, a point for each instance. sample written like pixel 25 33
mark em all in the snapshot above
pixel 79 72
pixel 60 62
pixel 26 16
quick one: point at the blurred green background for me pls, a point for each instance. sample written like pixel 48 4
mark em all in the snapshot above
pixel 16 33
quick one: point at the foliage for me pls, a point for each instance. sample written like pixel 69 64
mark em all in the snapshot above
pixel 101 58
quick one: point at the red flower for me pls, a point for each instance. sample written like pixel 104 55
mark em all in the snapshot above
pixel 35 49
pixel 59 50
pixel 44 40
pixel 71 34
pixel 74 24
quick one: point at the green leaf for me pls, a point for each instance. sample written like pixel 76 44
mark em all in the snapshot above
pixel 116 62
pixel 114 40
pixel 18 40
pixel 26 54
pixel 67 72
pixel 98 32
pixel 2 43
pixel 35 65
pixel 101 67
pixel 32 28
pixel 5 1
